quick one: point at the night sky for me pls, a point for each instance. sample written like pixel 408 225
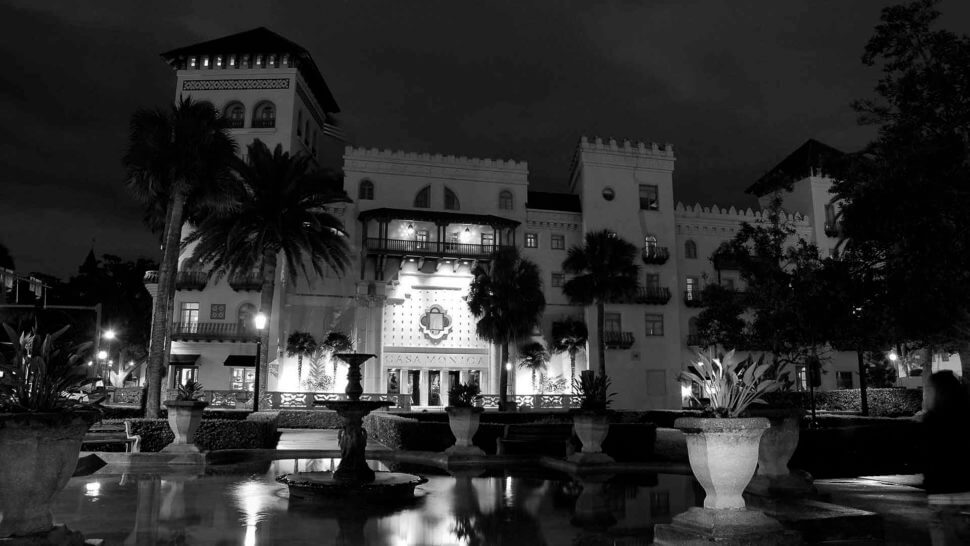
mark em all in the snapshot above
pixel 735 86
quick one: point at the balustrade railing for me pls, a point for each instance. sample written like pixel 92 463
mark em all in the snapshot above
pixel 436 248
pixel 656 255
pixel 212 331
pixel 618 340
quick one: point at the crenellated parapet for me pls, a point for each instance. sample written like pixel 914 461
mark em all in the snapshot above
pixel 714 219
pixel 597 144
pixel 351 152
pixel 625 154
pixel 374 160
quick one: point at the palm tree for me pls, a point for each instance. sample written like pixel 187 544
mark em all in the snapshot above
pixel 569 336
pixel 177 164
pixel 279 211
pixel 506 298
pixel 533 356
pixel 604 271
pixel 300 344
pixel 336 342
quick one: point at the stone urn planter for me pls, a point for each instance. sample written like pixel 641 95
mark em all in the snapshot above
pixel 778 444
pixel 592 428
pixel 723 455
pixel 464 424
pixel 184 417
pixel 38 455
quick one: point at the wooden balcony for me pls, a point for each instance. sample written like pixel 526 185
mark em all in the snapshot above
pixel 212 331
pixel 437 249
pixel 618 340
pixel 246 283
pixel 657 255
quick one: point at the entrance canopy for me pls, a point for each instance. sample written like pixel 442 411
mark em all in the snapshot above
pixel 240 361
pixel 183 360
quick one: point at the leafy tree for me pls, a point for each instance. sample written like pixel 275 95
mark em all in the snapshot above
pixel 533 357
pixel 279 210
pixel 506 297
pixel 603 270
pixel 300 344
pixel 906 195
pixel 570 336
pixel 336 342
pixel 177 163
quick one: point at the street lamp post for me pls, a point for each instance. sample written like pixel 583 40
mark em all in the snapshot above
pixel 260 322
pixel 110 336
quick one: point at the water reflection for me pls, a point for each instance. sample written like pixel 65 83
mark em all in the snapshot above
pixel 466 508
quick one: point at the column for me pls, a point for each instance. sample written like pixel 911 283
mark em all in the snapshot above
pixel 445 386
pixel 425 386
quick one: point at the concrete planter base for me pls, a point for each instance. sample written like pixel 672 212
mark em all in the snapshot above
pixel 463 422
pixel 38 455
pixel 592 429
pixel 184 417
pixel 778 444
pixel 723 455
pixel 732 527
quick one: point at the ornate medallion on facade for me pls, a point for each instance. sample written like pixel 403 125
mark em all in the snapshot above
pixel 435 323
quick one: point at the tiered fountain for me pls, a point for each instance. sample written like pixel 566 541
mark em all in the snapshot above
pixel 353 478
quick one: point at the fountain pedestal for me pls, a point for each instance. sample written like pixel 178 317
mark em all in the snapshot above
pixel 353 478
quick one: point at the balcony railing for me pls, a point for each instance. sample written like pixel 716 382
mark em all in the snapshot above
pixel 191 280
pixel 151 277
pixel 656 255
pixel 235 123
pixel 246 283
pixel 833 229
pixel 657 295
pixel 431 248
pixel 692 298
pixel 618 340
pixel 212 331
pixel 264 123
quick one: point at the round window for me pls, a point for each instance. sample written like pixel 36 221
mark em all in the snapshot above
pixel 608 194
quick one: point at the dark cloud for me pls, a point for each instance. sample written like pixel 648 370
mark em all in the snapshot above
pixel 734 86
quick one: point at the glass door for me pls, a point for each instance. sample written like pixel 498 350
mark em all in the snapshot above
pixel 414 385
pixel 434 388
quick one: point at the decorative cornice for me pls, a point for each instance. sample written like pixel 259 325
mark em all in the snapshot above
pixel 235 84
pixel 548 224
pixel 731 214
pixel 375 154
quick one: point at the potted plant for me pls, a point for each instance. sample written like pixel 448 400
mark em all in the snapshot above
pixel 41 427
pixel 184 416
pixel 463 418
pixel 722 446
pixel 591 421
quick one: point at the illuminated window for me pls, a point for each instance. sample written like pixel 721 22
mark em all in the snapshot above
pixel 235 114
pixel 654 324
pixel 801 378
pixel 189 313
pixel 690 250
pixel 272 61
pixel 265 115
pixel 243 379
pixel 692 289
pixel 218 61
pixel 423 199
pixel 650 244
pixel 366 190
pixel 558 279
pixel 205 61
pixel 451 200
pixel 232 62
pixel 557 242
pixel 648 197
pixel 505 200
pixel 531 240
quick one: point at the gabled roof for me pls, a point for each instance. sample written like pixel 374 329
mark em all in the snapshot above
pixel 567 202
pixel 811 156
pixel 262 40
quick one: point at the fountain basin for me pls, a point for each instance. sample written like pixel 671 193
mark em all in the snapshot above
pixel 317 486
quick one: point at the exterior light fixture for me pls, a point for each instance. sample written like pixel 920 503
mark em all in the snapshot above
pixel 102 355
pixel 508 366
pixel 90 363
pixel 410 229
pixel 109 334
pixel 259 321
pixel 893 357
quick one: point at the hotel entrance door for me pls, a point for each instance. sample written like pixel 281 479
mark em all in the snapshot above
pixel 414 386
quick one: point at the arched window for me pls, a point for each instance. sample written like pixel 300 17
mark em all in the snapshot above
pixel 650 243
pixel 235 114
pixel 505 200
pixel 690 249
pixel 451 200
pixel 423 199
pixel 244 318
pixel 366 190
pixel 299 123
pixel 265 115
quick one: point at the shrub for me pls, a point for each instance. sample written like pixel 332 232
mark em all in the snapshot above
pixel 213 434
pixel 464 395
pixel 325 419
pixel 894 402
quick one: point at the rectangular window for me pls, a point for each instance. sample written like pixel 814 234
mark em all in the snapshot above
pixel 422 238
pixel 612 322
pixel 692 288
pixel 558 279
pixel 217 311
pixel 453 240
pixel 189 315
pixel 648 197
pixel 488 240
pixel 801 378
pixel 558 242
pixel 654 324
pixel 653 282
pixel 183 374
pixel 844 380
pixel 243 378
pixel 531 240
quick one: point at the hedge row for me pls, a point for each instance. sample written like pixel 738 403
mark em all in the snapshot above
pixel 530 416
pixel 118 412
pixel 212 434
pixel 625 441
pixel 895 402
pixel 309 419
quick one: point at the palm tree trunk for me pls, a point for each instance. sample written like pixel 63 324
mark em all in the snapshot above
pixel 535 386
pixel 503 378
pixel 266 307
pixel 600 332
pixel 572 369
pixel 334 360
pixel 927 366
pixel 299 368
pixel 161 325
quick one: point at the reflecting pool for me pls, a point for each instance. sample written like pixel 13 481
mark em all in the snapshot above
pixel 244 505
